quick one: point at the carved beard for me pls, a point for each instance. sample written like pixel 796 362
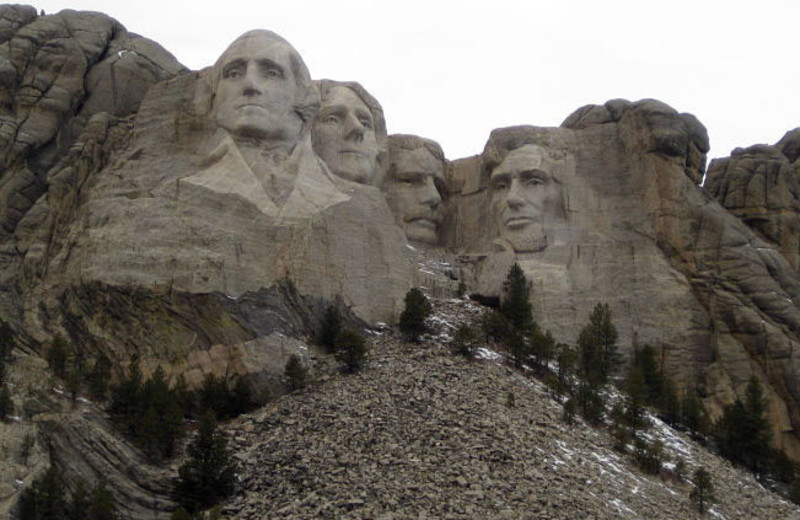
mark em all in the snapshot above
pixel 531 241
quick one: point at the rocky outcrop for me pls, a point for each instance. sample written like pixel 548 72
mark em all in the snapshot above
pixel 760 185
pixel 56 73
pixel 625 223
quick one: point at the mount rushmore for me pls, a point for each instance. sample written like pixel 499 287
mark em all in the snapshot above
pixel 203 220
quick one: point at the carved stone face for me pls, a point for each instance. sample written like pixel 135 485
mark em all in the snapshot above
pixel 523 192
pixel 344 136
pixel 256 90
pixel 412 193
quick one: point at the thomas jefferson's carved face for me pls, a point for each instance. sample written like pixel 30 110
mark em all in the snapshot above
pixel 523 192
pixel 412 193
pixel 344 136
pixel 256 90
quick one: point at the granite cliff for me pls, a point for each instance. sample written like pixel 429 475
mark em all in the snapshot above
pixel 203 221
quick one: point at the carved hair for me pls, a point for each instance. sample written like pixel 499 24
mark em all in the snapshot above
pixel 505 140
pixel 306 102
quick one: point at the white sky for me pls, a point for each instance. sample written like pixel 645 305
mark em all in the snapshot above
pixel 454 70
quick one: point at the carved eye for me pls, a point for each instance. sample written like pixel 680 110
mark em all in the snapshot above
pixel 500 185
pixel 365 122
pixel 331 119
pixel 273 73
pixel 533 181
pixel 233 73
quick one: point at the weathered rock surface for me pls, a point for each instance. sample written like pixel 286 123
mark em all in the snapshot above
pixel 760 185
pixel 678 270
pixel 56 72
pixel 423 434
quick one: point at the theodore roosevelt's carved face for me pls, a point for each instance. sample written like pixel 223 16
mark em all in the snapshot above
pixel 412 192
pixel 344 135
pixel 523 192
pixel 256 89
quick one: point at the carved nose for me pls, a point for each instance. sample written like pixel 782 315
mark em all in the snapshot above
pixel 354 130
pixel 250 85
pixel 514 200
pixel 431 197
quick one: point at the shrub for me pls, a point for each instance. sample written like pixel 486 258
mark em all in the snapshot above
pixel 412 319
pixel 295 373
pixel 351 349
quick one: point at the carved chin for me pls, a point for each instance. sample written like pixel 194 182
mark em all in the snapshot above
pixel 425 233
pixel 354 167
pixel 528 240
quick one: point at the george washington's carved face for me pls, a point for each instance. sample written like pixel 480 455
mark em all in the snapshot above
pixel 256 89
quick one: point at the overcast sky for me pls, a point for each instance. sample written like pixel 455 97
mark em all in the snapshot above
pixel 454 70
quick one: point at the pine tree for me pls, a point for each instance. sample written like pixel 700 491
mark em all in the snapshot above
pixel 516 305
pixel 296 374
pixel 412 319
pixel 99 377
pixel 567 358
pixel 702 495
pixel 495 326
pixel 207 476
pixel 598 345
pixel 692 413
pixel 351 349
pixel 101 503
pixel 6 404
pixel 636 397
pixel 743 431
pixel 78 507
pixel 44 499
pixel 330 328
pixel 464 341
pixel 645 360
pixel 57 355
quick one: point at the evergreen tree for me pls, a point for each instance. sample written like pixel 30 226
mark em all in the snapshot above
pixel 543 347
pixel 597 343
pixel 519 346
pixel 692 413
pixel 101 503
pixel 743 431
pixel 464 341
pixel 241 398
pixel 330 329
pixel 126 397
pixel 636 397
pixel 207 476
pixel 590 401
pixel 44 499
pixel 351 349
pixel 296 374
pixel 6 404
pixel 99 377
pixel 57 355
pixel 495 326
pixel 412 319
pixel 214 395
pixel 516 305
pixel 6 345
pixel 567 358
pixel 668 405
pixel 78 507
pixel 702 494
pixel 645 360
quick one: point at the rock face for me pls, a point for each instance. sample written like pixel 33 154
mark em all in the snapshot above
pixel 188 218
pixel 760 185
pixel 171 234
pixel 56 72
pixel 618 218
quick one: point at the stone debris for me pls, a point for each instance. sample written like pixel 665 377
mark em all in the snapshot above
pixel 425 434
